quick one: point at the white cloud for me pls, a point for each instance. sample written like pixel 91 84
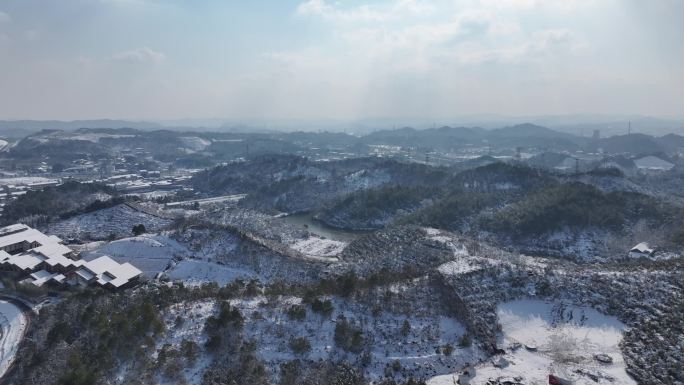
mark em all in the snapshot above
pixel 530 4
pixel 554 37
pixel 364 13
pixel 4 18
pixel 541 44
pixel 141 55
pixel 467 34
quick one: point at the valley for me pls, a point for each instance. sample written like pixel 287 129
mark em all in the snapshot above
pixel 299 268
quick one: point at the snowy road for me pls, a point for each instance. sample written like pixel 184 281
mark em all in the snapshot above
pixel 13 323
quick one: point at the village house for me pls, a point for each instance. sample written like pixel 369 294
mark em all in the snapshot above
pixel 642 250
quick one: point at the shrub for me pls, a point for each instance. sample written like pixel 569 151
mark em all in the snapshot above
pixel 347 283
pixel 300 345
pixel 189 350
pixel 464 341
pixel 405 328
pixel 297 312
pixel 323 307
pixel 447 349
pixel 139 229
pixel 347 336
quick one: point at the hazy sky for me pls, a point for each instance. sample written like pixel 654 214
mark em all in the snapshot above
pixel 315 59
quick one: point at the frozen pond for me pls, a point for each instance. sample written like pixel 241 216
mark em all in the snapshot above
pixel 556 339
pixel 13 324
pixel 321 229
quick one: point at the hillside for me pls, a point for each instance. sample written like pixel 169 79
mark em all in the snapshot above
pixel 295 184
pixel 61 201
pixel 376 208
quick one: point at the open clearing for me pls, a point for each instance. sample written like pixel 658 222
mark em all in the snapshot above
pixel 554 339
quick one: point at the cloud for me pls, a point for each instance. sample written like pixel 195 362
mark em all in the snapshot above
pixel 554 37
pixel 467 34
pixel 143 55
pixel 421 35
pixel 4 18
pixel 364 13
pixel 564 5
pixel 541 44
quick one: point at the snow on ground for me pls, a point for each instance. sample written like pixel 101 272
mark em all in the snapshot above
pixel 365 179
pixel 149 253
pixel 155 194
pixel 271 327
pixel 221 199
pixel 584 244
pixel 183 321
pixel 117 220
pixel 195 143
pixel 191 327
pixel 25 180
pixel 436 235
pixel 13 324
pixel 208 244
pixel 316 247
pixel 97 136
pixel 566 339
pixel 197 272
pixel 459 267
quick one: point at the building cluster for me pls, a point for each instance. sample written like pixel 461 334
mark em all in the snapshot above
pixel 46 260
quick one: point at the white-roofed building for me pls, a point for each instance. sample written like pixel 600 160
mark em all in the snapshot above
pixel 643 249
pixel 48 260
pixel 652 163
pixel 41 277
pixel 106 272
pixel 20 238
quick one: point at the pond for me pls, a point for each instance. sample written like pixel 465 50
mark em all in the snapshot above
pixel 322 230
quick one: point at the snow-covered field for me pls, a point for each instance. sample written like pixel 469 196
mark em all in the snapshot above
pixel 316 247
pixel 13 323
pixel 196 272
pixel 195 143
pixel 97 136
pixel 25 180
pixel 556 339
pixel 149 253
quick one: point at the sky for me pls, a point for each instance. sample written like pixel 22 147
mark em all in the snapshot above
pixel 339 60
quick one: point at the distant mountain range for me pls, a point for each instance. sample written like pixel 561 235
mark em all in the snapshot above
pixel 446 138
pixel 21 128
pixel 579 125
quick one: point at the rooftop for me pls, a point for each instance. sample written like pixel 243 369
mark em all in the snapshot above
pixel 47 258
